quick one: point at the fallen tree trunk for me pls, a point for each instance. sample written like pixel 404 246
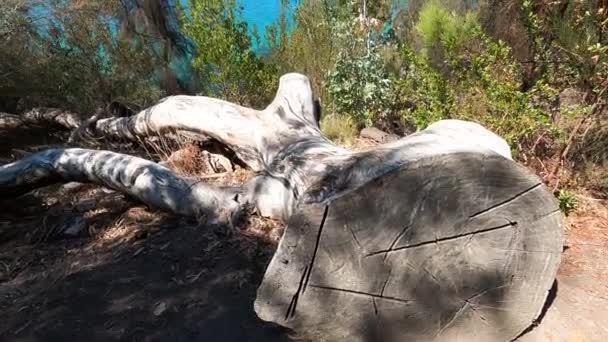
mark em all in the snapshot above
pixel 438 235
pixel 149 182
pixel 41 116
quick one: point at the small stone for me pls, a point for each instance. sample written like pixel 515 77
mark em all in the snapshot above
pixel 76 228
pixel 72 186
pixel 86 205
pixel 160 308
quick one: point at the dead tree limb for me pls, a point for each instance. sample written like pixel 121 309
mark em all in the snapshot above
pixel 285 144
pixel 437 236
pixel 41 116
pixel 149 182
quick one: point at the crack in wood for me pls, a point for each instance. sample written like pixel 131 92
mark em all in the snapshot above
pixel 508 200
pixel 481 317
pixel 354 237
pixel 291 309
pixel 538 218
pixel 445 239
pixel 375 306
pixel 360 293
pixel 386 282
pixel 314 253
pixel 392 246
pixel 484 291
pixel 524 250
pixel 424 189
pixel 463 307
pixel 432 276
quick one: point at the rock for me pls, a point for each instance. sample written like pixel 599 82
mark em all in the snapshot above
pixel 76 227
pixel 160 308
pixel 377 135
pixel 571 98
pixel 86 205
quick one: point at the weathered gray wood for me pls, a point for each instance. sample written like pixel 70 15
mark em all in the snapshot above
pixel 257 137
pixel 40 116
pixel 149 182
pixel 452 247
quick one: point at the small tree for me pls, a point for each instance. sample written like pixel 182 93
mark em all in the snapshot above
pixel 226 64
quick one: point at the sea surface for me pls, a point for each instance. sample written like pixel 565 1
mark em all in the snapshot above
pixel 261 13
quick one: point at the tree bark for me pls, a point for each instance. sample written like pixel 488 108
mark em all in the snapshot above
pixel 149 182
pixel 41 116
pixel 428 237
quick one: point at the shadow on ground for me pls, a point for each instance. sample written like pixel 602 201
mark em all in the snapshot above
pixel 174 281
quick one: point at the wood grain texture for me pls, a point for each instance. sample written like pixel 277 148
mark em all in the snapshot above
pixel 457 247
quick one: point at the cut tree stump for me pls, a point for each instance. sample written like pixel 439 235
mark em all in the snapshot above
pixel 458 247
pixel 436 236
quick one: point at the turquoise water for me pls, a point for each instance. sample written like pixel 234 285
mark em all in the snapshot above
pixel 261 13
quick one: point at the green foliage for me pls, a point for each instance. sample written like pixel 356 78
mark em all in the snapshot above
pixel 425 93
pixel 360 87
pixel 78 64
pixel 439 27
pixel 314 41
pixel 225 61
pixel 573 33
pixel 567 201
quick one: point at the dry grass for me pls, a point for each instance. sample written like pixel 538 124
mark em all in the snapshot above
pixel 590 217
pixel 130 226
pixel 340 129
pixel 187 161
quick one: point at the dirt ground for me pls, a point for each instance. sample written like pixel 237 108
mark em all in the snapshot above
pixel 579 309
pixel 133 274
pixel 144 276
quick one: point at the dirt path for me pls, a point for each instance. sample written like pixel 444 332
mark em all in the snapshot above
pixel 579 311
pixel 152 278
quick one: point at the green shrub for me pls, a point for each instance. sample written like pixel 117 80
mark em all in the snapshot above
pixel 360 87
pixel 567 201
pixel 462 73
pixel 440 28
pixel 224 59
pixel 423 93
pixel 79 62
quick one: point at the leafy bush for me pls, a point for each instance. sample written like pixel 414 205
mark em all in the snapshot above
pixel 423 93
pixel 360 87
pixel 440 28
pixel 462 73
